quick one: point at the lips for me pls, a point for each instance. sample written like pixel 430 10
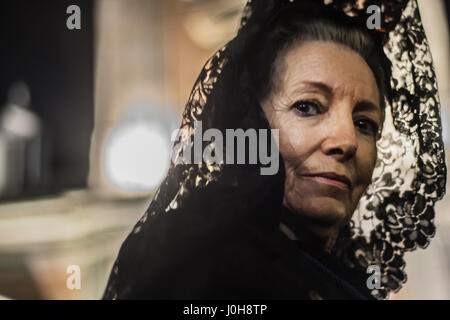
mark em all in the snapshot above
pixel 332 179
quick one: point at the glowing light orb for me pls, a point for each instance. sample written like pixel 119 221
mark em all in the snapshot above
pixel 137 157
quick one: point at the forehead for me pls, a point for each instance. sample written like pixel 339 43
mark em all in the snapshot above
pixel 335 65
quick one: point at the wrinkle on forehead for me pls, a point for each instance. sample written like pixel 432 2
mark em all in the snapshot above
pixel 336 65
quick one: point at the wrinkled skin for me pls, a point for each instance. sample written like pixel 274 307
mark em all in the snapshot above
pixel 325 102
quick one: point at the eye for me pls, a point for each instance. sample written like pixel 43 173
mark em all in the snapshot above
pixel 367 127
pixel 307 108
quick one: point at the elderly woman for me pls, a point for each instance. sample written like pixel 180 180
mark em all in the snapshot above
pixel 361 163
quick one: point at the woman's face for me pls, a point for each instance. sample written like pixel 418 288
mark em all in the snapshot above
pixel 325 102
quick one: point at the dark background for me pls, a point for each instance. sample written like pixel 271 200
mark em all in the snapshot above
pixel 57 64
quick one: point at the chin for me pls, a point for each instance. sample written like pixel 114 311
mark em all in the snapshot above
pixel 322 211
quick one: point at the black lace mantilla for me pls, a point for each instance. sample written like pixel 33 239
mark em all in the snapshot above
pixel 396 213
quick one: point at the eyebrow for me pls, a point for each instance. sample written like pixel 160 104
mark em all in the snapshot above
pixel 365 105
pixel 361 106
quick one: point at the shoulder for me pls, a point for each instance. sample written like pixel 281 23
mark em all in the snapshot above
pixel 241 262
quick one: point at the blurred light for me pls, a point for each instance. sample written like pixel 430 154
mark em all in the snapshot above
pixel 210 24
pixel 137 156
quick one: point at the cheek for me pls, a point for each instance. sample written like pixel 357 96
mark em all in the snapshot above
pixel 296 140
pixel 294 134
pixel 297 144
pixel 365 159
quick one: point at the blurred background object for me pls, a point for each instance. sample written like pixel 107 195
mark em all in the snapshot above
pixel 210 23
pixel 94 109
pixel 46 74
pixel 137 152
pixel 20 141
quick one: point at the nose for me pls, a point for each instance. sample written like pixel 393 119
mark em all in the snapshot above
pixel 340 140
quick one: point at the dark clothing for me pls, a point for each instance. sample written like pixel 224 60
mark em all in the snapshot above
pixel 204 256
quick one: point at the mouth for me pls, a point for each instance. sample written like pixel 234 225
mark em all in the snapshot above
pixel 332 179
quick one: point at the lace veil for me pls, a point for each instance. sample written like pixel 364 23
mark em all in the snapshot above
pixel 396 213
